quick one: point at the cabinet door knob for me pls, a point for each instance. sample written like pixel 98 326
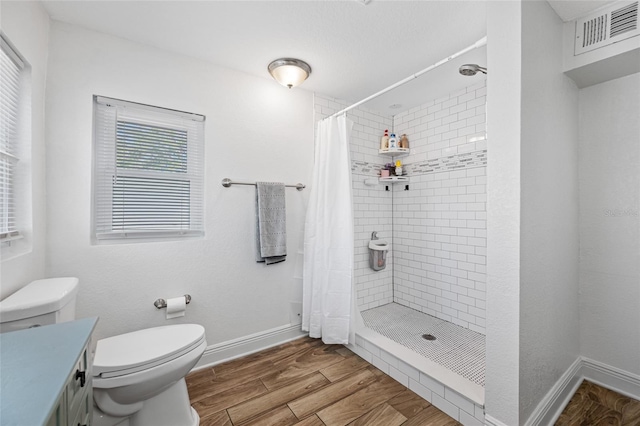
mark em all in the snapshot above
pixel 81 375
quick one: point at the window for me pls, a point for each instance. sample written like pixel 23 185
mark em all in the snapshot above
pixel 11 115
pixel 148 171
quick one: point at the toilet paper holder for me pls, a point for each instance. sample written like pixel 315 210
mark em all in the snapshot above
pixel 161 303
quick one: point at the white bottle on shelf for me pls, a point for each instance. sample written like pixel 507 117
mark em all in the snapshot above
pixel 384 140
pixel 393 141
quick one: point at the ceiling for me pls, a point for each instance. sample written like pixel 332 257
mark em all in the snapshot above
pixel 569 10
pixel 354 49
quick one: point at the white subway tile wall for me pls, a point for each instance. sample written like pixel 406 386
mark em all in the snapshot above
pixel 372 205
pixel 437 229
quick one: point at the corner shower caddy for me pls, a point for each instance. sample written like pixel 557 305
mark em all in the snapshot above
pixel 394 179
pixel 398 152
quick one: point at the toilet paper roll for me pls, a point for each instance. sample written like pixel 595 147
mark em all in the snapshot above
pixel 176 307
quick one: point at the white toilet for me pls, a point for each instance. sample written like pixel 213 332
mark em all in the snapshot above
pixel 138 377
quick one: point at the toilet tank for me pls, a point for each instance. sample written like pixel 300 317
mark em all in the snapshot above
pixel 40 302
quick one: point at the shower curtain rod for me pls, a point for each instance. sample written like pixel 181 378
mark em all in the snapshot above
pixel 475 45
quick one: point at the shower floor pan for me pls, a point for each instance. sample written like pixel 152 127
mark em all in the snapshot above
pixel 456 348
pixel 448 371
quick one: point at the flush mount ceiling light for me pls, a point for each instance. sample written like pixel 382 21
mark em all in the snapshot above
pixel 289 72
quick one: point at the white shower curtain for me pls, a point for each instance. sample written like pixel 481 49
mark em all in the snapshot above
pixel 328 239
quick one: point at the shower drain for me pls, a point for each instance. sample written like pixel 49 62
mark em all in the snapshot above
pixel 429 337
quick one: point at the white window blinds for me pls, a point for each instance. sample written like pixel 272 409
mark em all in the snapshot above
pixel 148 171
pixel 10 90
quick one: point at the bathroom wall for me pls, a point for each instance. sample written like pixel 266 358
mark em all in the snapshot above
pixel 549 317
pixel 372 204
pixel 255 130
pixel 26 24
pixel 504 84
pixel 609 146
pixel 552 169
pixel 532 280
pixel 440 229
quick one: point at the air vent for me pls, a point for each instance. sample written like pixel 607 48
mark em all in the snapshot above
pixel 606 27
pixel 624 20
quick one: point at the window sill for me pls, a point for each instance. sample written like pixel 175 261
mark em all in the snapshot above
pixel 14 247
pixel 145 236
pixel 6 239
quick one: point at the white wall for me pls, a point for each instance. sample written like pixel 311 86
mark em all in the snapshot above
pixel 503 211
pixel 610 223
pixel 26 24
pixel 549 325
pixel 255 130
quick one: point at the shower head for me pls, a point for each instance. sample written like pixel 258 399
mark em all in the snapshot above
pixel 471 69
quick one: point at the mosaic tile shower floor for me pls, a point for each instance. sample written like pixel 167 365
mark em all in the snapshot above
pixel 456 348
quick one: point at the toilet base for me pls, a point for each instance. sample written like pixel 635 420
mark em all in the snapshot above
pixel 169 408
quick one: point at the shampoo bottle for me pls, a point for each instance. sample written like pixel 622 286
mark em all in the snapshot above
pixel 398 168
pixel 404 141
pixel 384 140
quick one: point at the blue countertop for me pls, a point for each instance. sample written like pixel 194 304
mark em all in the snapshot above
pixel 34 367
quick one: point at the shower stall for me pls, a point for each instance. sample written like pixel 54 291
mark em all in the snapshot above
pixel 422 318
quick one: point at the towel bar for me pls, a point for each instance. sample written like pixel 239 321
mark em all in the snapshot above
pixel 226 182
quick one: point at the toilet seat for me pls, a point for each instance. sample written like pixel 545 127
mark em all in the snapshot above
pixel 143 349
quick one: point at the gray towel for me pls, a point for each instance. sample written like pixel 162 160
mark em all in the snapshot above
pixel 271 223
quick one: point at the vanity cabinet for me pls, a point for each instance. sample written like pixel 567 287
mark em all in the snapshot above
pixel 46 375
pixel 75 405
pixel 79 393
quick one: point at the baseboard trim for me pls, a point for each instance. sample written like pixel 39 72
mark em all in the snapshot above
pixel 236 348
pixel 613 378
pixel 490 421
pixel 552 405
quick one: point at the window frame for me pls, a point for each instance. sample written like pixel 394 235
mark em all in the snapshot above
pixel 107 113
pixel 12 226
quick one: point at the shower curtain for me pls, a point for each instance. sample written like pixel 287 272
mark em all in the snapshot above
pixel 328 239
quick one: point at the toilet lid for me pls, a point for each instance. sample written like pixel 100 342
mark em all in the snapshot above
pixel 143 349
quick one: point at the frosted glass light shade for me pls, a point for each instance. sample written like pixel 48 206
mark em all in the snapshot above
pixel 289 72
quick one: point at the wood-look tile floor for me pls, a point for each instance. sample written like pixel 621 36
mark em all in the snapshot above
pixel 306 383
pixel 593 405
